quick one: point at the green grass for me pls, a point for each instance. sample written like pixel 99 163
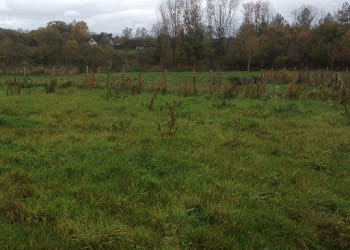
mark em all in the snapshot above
pixel 80 171
pixel 175 79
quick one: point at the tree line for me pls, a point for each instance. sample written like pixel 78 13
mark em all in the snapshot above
pixel 192 34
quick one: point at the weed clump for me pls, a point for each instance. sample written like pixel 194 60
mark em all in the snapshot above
pixel 172 121
pixel 155 94
pixel 12 86
pixel 51 88
pixel 123 87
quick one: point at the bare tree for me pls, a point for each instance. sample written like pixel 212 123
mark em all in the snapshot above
pixel 279 20
pixel 171 18
pixel 141 33
pixel 343 14
pixel 127 33
pixel 193 14
pixel 258 14
pixel 220 17
pixel 305 16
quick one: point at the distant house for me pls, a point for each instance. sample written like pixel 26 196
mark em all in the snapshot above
pixel 114 42
pixel 92 42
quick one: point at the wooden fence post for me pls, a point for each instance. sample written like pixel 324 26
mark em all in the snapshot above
pixel 123 73
pixel 53 72
pixel 211 82
pixel 17 84
pixel 140 82
pixel 165 81
pixel 194 79
pixel 93 80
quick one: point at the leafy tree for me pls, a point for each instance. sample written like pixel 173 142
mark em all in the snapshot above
pixel 302 49
pixel 80 32
pixel 71 51
pixel 62 27
pixel 13 53
pixel 103 38
pixel 249 42
pixel 331 33
pixel 50 42
pixel 273 45
pixel 344 52
pixel 193 32
pixel 163 53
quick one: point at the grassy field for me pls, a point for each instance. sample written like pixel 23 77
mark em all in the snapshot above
pixel 78 170
pixel 175 79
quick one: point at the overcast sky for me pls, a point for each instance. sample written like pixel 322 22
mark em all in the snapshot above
pixel 108 15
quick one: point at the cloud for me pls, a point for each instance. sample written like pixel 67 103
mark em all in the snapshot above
pixel 71 13
pixel 107 15
pixel 101 15
pixel 4 6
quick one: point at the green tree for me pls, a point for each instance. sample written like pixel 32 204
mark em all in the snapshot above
pixel 80 32
pixel 343 14
pixel 249 43
pixel 71 51
pixel 331 33
pixel 193 32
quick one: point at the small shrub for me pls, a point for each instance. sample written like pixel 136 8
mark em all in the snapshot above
pixel 344 97
pixel 186 91
pixel 51 88
pixel 122 125
pixel 155 94
pixel 230 91
pixel 255 91
pixel 12 85
pixel 293 91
